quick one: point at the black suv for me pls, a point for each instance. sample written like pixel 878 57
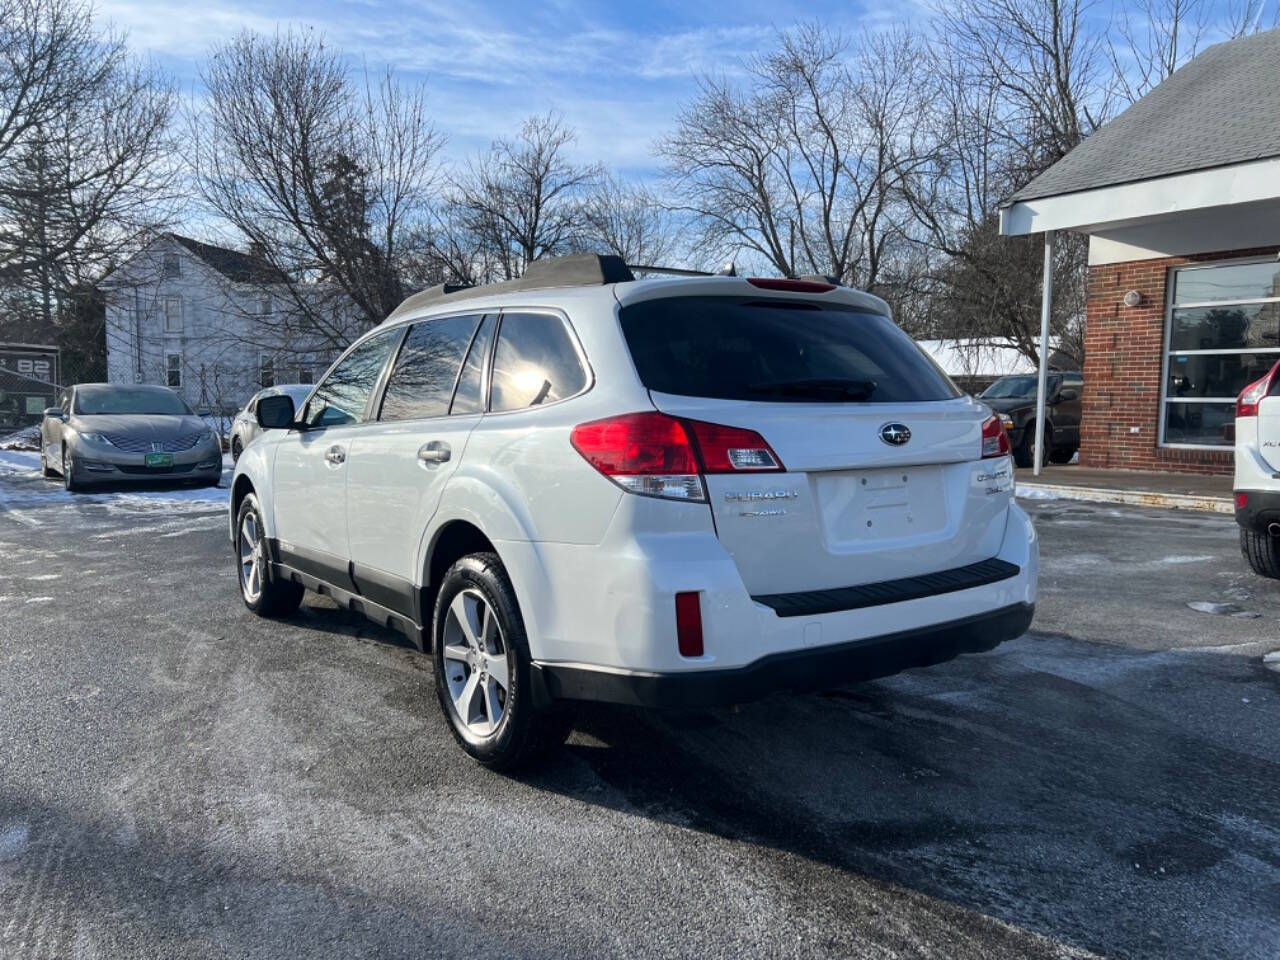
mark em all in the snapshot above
pixel 1013 399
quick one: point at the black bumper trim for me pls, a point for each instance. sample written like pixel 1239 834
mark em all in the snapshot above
pixel 813 602
pixel 1261 510
pixel 821 668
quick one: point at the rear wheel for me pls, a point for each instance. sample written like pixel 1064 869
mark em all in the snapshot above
pixel 1262 550
pixel 1024 454
pixel 236 448
pixel 1062 454
pixel 482 668
pixel 263 595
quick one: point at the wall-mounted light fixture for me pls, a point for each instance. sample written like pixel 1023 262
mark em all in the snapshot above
pixel 1133 298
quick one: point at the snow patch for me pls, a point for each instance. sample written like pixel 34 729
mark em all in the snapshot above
pixel 37 600
pixel 1185 559
pixel 1037 493
pixel 1223 609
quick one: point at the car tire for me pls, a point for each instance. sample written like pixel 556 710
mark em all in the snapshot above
pixel 69 474
pixel 1062 454
pixel 1262 550
pixel 236 449
pixel 264 595
pixel 45 470
pixel 476 592
pixel 1024 454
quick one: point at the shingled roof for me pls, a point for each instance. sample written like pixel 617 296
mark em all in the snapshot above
pixel 232 264
pixel 1221 108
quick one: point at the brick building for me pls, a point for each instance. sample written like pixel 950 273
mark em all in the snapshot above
pixel 1180 199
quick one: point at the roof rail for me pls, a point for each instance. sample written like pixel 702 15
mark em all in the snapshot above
pixel 577 270
pixel 728 270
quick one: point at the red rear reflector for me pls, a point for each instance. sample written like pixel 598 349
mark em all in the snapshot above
pixel 732 449
pixel 995 442
pixel 689 624
pixel 791 286
pixel 1242 500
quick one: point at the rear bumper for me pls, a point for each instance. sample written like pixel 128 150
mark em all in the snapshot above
pixel 797 670
pixel 1260 511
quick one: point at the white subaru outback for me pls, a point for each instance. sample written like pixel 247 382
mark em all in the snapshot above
pixel 1257 474
pixel 668 492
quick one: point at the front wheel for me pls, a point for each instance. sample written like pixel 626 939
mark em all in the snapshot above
pixel 263 595
pixel 1262 550
pixel 236 448
pixel 69 473
pixel 46 471
pixel 482 671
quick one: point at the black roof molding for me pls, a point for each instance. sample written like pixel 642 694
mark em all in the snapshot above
pixel 577 270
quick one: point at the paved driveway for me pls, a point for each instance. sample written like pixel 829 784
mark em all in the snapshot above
pixel 180 779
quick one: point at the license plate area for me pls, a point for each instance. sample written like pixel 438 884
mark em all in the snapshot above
pixel 158 460
pixel 892 503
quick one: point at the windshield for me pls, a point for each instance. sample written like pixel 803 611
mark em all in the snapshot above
pixel 1014 388
pixel 778 351
pixel 101 401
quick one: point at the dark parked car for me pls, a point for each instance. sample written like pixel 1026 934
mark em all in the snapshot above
pixel 1014 400
pixel 109 433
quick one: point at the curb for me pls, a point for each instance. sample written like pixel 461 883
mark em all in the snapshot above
pixel 1136 498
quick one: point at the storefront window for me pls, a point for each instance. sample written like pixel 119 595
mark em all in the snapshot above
pixel 1223 333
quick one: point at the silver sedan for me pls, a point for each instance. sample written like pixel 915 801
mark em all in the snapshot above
pixel 113 433
pixel 245 425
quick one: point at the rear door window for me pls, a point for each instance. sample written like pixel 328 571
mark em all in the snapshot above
pixel 421 382
pixel 774 350
pixel 345 392
pixel 535 362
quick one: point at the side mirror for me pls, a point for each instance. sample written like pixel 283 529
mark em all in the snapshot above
pixel 275 413
pixel 1068 394
pixel 55 412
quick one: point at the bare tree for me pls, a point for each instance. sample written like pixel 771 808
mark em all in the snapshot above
pixel 1244 17
pixel 327 176
pixel 803 167
pixel 1152 40
pixel 85 150
pixel 628 221
pixel 521 201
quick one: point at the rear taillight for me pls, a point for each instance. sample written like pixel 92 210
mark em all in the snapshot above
pixel 1251 396
pixel 995 442
pixel 662 456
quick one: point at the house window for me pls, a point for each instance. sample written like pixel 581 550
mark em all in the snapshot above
pixel 172 266
pixel 266 371
pixel 172 315
pixel 305 375
pixel 264 307
pixel 1222 332
pixel 173 370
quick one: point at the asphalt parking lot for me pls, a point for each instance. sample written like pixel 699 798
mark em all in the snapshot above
pixel 179 779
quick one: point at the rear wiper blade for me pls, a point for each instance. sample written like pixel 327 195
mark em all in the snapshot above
pixel 856 390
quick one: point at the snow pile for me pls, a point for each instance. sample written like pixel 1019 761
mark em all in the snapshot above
pixel 28 438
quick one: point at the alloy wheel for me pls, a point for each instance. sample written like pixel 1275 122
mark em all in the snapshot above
pixel 475 663
pixel 251 559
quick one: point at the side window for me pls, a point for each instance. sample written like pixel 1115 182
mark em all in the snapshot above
pixel 535 362
pixel 345 392
pixel 469 397
pixel 426 369
pixel 64 401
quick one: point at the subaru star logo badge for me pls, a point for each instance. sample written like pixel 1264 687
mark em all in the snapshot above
pixel 895 434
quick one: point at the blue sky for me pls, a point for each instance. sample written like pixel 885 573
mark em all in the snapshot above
pixel 618 72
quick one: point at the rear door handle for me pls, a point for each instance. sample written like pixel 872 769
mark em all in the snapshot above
pixel 335 455
pixel 437 451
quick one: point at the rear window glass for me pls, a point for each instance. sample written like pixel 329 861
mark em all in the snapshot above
pixel 734 348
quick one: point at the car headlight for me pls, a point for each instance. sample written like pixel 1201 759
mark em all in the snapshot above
pixel 95 438
pixel 1007 421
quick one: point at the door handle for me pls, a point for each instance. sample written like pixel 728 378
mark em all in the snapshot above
pixel 335 455
pixel 437 451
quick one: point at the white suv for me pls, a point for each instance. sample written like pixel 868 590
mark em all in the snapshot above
pixel 667 492
pixel 1257 477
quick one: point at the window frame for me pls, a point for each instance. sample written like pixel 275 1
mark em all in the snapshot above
pixel 583 362
pixel 1170 304
pixel 176 260
pixel 169 370
pixel 374 413
pixel 379 384
pixel 170 331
